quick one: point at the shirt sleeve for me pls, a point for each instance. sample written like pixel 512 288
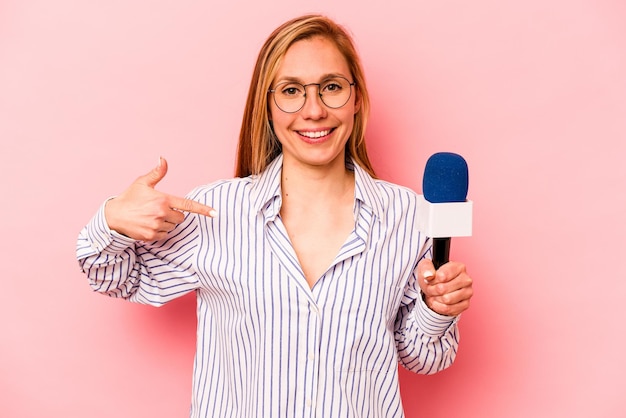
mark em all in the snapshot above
pixel 151 273
pixel 427 342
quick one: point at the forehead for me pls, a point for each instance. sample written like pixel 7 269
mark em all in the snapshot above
pixel 310 59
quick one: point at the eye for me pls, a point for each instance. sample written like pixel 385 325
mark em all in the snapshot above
pixel 290 90
pixel 332 87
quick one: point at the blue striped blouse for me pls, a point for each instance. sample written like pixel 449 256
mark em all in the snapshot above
pixel 269 345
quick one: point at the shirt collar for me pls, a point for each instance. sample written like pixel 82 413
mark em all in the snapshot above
pixel 266 195
pixel 266 191
pixel 367 191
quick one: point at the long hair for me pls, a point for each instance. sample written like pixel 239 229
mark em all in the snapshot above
pixel 258 144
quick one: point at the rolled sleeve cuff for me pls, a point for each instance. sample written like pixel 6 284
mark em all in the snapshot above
pixel 431 323
pixel 104 240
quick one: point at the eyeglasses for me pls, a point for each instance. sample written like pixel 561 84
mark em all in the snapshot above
pixel 290 96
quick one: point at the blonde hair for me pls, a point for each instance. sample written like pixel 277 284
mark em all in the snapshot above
pixel 258 144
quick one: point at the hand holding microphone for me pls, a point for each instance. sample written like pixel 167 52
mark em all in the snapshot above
pixel 445 213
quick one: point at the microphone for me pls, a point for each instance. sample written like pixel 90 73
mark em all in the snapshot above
pixel 444 209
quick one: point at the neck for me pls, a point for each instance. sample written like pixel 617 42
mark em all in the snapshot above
pixel 311 185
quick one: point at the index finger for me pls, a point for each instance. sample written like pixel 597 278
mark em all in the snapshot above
pixel 449 271
pixel 188 205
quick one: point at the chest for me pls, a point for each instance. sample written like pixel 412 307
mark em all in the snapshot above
pixel 251 264
pixel 317 240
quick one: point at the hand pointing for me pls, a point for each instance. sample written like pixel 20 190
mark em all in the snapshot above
pixel 143 213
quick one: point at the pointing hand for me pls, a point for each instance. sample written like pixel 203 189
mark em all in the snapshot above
pixel 143 213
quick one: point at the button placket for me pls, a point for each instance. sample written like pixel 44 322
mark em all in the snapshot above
pixel 311 354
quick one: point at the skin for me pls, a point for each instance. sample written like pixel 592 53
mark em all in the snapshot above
pixel 317 189
pixel 311 61
pixel 146 214
pixel 448 290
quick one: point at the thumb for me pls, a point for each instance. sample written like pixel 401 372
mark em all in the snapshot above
pixel 155 175
pixel 426 270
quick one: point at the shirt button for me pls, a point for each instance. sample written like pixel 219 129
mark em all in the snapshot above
pixel 311 356
pixel 309 402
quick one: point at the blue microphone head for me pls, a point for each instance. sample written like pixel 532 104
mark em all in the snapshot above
pixel 445 178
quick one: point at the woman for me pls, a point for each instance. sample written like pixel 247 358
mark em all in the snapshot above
pixel 313 281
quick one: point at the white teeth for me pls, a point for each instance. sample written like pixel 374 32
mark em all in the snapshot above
pixel 317 134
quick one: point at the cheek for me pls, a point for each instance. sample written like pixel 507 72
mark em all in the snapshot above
pixel 349 116
pixel 279 121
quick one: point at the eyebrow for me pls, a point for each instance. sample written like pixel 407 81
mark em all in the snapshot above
pixel 299 80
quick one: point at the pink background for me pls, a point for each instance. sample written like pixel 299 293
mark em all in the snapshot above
pixel 532 93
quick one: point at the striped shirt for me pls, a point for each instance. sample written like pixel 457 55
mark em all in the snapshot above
pixel 268 344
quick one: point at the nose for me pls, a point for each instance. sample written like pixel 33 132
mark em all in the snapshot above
pixel 313 107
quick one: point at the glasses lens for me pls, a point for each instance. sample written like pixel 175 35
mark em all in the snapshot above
pixel 289 97
pixel 335 92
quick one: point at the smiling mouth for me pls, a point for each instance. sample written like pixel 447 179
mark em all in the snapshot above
pixel 315 134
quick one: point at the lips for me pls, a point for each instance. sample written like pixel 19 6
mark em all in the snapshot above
pixel 313 136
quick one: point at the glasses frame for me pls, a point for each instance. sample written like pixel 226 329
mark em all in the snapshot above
pixel 319 93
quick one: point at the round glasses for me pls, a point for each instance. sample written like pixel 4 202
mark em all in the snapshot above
pixel 290 96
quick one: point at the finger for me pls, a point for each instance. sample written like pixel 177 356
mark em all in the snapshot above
pixel 439 288
pixel 449 309
pixel 453 297
pixel 158 229
pixel 425 270
pixel 449 271
pixel 174 217
pixel 425 273
pixel 167 226
pixel 188 205
pixel 155 175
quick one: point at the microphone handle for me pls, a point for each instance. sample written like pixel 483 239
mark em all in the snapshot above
pixel 441 251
